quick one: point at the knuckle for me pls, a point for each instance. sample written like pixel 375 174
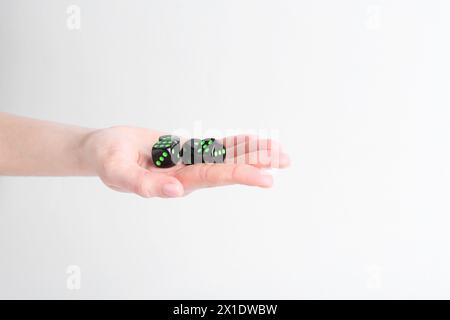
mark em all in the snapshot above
pixel 202 173
pixel 233 173
pixel 205 173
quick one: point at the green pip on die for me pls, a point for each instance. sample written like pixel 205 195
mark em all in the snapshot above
pixel 212 150
pixel 166 152
pixel 191 152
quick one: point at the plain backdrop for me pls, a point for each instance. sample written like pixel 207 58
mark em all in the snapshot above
pixel 358 92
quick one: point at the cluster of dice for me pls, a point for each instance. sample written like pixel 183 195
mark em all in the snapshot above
pixel 167 152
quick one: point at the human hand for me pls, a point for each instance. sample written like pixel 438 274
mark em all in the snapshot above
pixel 121 157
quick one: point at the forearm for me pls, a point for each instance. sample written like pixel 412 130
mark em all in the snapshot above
pixel 42 148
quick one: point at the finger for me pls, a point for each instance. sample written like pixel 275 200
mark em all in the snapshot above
pixel 232 141
pixel 136 179
pixel 214 175
pixel 239 145
pixel 262 159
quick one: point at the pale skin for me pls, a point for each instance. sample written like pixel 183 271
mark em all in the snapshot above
pixel 121 157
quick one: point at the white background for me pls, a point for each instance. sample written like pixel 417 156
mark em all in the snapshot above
pixel 358 90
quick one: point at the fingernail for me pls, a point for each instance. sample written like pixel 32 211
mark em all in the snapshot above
pixel 172 190
pixel 266 180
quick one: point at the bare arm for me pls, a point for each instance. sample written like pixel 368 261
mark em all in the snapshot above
pixel 35 147
pixel 120 157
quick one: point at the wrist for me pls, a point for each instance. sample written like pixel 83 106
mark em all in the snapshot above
pixel 86 152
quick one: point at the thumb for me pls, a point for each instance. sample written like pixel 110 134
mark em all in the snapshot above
pixel 136 179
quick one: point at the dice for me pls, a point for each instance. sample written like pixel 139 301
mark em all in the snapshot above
pixel 166 152
pixel 191 152
pixel 213 151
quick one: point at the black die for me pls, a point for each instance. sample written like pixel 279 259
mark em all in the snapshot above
pixel 213 151
pixel 166 152
pixel 191 152
pixel 169 137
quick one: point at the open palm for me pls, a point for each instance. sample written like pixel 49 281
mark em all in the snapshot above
pixel 122 156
